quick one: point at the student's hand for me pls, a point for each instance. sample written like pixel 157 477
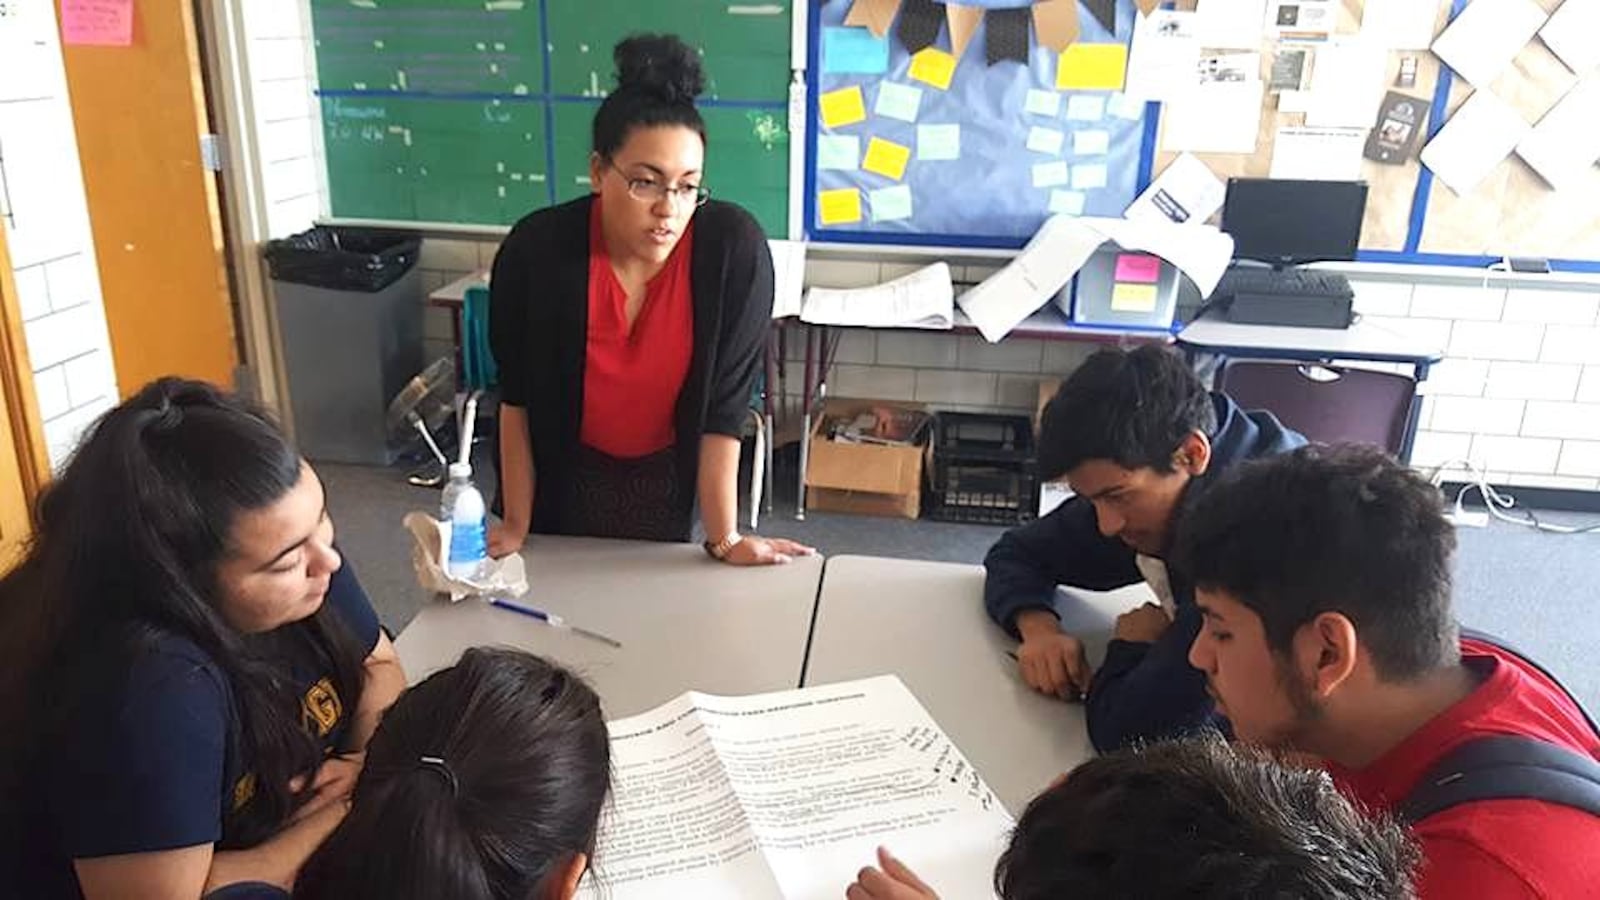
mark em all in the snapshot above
pixel 1050 660
pixel 333 783
pixel 1143 625
pixel 506 538
pixel 760 551
pixel 893 882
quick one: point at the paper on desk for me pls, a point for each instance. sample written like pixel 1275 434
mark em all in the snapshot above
pixel 1218 117
pixel 1486 36
pixel 1347 84
pixel 1400 24
pixel 788 277
pixel 1165 55
pixel 1231 24
pixel 1473 141
pixel 1318 154
pixel 1565 143
pixel 923 299
pixel 1570 35
pixel 1186 191
pixel 1061 247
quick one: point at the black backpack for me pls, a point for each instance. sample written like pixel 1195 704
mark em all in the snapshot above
pixel 1508 767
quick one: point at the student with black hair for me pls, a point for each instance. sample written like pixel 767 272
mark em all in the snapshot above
pixel 191 671
pixel 484 782
pixel 1137 437
pixel 1187 818
pixel 628 328
pixel 1324 580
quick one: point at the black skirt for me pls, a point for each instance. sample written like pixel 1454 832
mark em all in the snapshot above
pixel 634 499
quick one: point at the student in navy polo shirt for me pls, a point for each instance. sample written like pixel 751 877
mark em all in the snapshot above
pixel 191 672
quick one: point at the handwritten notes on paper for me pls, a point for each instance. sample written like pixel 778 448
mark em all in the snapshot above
pixel 845 106
pixel 933 66
pixel 839 207
pixel 100 23
pixel 886 158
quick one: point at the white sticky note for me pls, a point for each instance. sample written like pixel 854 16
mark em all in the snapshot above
pixel 1043 103
pixel 1086 177
pixel 1068 202
pixel 1045 140
pixel 838 152
pixel 1127 107
pixel 1086 108
pixel 1050 174
pixel 891 204
pixel 938 142
pixel 898 101
pixel 1091 143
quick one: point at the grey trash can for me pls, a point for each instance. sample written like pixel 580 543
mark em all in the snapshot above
pixel 350 306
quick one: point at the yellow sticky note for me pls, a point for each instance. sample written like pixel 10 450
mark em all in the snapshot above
pixel 840 207
pixel 933 66
pixel 1092 67
pixel 1133 298
pixel 845 106
pixel 886 158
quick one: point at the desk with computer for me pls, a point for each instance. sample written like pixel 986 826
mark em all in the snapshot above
pixel 1268 307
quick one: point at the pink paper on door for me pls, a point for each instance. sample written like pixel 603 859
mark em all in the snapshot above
pixel 103 23
pixel 1138 268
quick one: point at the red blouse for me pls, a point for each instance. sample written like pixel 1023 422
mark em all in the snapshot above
pixel 632 378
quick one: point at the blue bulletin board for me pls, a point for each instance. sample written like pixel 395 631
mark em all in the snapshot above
pixel 894 156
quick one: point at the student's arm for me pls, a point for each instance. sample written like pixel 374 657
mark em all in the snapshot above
pixel 510 292
pixel 1064 547
pixel 1149 691
pixel 188 873
pixel 382 680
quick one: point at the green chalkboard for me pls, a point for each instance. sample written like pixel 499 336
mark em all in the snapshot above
pixel 438 111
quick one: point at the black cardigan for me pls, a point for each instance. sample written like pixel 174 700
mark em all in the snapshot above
pixel 538 327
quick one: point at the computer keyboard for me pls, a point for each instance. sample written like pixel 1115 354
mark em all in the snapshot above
pixel 1283 283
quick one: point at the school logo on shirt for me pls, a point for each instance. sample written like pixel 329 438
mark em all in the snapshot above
pixel 244 790
pixel 321 708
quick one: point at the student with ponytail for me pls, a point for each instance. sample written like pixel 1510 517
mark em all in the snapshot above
pixel 628 328
pixel 485 782
pixel 191 672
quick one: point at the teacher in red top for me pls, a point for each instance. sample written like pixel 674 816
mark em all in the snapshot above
pixel 628 327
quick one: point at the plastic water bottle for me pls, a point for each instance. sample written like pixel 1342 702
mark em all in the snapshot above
pixel 463 508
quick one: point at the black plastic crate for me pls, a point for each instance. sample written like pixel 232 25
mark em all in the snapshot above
pixel 348 259
pixel 984 469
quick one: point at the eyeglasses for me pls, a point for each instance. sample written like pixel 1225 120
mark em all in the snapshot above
pixel 649 190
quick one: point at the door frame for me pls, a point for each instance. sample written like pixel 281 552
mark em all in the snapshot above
pixel 17 388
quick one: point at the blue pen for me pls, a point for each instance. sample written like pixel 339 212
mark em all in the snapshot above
pixel 550 619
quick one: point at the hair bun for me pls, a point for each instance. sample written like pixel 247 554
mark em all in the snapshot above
pixel 660 64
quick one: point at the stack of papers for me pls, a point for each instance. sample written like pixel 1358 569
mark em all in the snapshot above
pixel 923 299
pixel 1065 243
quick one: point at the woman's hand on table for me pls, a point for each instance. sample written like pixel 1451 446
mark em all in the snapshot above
pixel 506 538
pixel 759 551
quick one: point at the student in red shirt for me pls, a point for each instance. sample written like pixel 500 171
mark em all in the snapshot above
pixel 1324 579
pixel 628 328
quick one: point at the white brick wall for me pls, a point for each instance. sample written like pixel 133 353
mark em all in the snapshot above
pixel 52 252
pixel 1517 394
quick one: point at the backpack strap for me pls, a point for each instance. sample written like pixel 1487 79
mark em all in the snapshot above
pixel 1506 767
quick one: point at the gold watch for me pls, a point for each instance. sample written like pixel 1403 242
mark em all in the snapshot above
pixel 719 550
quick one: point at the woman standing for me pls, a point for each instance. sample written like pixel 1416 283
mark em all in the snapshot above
pixel 190 672
pixel 628 328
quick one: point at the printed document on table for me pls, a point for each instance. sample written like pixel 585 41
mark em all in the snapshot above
pixel 923 299
pixel 787 795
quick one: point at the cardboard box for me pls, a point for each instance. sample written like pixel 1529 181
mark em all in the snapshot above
pixel 865 479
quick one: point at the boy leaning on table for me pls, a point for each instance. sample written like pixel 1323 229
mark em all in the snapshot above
pixel 1138 438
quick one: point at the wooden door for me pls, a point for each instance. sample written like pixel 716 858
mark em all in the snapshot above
pixel 140 113
pixel 23 462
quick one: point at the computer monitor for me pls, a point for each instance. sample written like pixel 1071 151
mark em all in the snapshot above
pixel 1287 222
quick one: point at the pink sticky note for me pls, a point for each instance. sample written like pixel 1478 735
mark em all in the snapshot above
pixel 103 23
pixel 1138 268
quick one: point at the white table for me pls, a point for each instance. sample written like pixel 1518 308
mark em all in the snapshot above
pixel 925 622
pixel 685 621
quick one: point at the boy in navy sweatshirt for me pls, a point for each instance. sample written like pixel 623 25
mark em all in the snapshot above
pixel 1137 437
